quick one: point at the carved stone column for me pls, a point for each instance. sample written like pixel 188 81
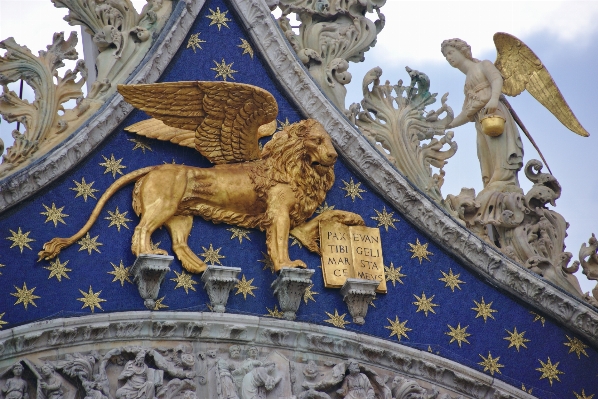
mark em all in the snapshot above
pixel 219 281
pixel 148 273
pixel 289 288
pixel 357 294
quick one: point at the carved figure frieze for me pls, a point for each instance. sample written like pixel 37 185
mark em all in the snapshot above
pixel 331 33
pixel 275 189
pixel 394 120
pixel 15 387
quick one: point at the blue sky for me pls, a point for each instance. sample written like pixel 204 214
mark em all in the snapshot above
pixel 562 33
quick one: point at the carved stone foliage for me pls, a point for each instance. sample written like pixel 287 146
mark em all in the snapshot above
pixel 331 33
pixel 396 124
pixel 523 228
pixel 588 257
pixel 121 34
pixel 122 37
pixel 44 124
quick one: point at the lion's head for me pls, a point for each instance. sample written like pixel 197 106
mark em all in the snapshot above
pixel 302 156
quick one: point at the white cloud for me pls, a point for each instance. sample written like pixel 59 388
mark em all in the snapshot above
pixel 415 29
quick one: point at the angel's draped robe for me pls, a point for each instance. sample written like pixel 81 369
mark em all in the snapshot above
pixel 500 157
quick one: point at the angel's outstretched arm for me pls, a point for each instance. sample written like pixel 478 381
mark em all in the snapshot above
pixel 496 82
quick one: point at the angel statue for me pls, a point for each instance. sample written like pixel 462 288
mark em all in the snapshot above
pixel 516 69
pixel 275 189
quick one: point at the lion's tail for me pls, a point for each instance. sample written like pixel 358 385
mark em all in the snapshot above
pixel 55 245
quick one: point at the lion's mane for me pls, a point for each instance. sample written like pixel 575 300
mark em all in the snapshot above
pixel 284 160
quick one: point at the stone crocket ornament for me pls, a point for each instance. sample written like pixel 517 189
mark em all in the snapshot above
pixel 276 189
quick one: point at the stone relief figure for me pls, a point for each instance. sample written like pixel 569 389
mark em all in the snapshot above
pixel 259 381
pixel 225 384
pixel 15 387
pixel 247 183
pixel 50 387
pixel 356 385
pixel 138 382
pixel 500 157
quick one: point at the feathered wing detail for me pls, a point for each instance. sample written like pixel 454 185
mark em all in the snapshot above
pixel 522 70
pixel 225 117
pixel 156 129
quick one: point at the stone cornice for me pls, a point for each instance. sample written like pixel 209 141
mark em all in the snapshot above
pixel 479 257
pixel 155 328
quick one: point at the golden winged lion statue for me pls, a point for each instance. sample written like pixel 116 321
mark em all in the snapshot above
pixel 275 189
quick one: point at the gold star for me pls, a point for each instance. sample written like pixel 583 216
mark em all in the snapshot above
pixel 2 322
pixel 577 396
pixel 295 241
pixel 142 145
pixel 385 219
pixel 268 264
pixel 516 339
pixel 195 41
pixel 112 165
pixel 419 251
pixel 224 70
pixel 244 287
pixel 239 233
pixel 484 310
pixel 451 280
pixel 155 246
pixel 24 295
pixel 283 125
pixel 218 18
pixel 538 317
pixel 54 214
pixel 458 334
pixel 1 265
pixel 353 190
pixel 337 320
pixel 424 304
pixel 118 219
pixel 397 328
pixel 309 294
pixel 526 390
pixel 246 47
pixel 84 190
pixel 184 280
pixel 159 305
pixel 393 274
pixel 91 299
pixel 575 345
pixel 549 371
pixel 324 208
pixel 58 269
pixel 491 365
pixel 89 244
pixel 275 313
pixel 20 240
pixel 212 255
pixel 120 273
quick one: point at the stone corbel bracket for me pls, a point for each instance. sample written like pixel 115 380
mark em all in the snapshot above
pixel 289 288
pixel 148 273
pixel 154 329
pixel 219 281
pixel 358 294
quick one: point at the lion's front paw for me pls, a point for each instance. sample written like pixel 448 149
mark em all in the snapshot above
pixel 292 264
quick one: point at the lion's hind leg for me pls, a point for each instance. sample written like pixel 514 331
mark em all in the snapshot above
pixel 179 228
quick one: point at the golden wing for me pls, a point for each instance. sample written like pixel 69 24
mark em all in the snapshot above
pixel 224 117
pixel 522 69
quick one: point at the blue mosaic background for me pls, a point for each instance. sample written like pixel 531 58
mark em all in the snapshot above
pixel 549 344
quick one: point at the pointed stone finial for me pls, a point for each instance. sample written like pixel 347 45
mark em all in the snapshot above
pixel 357 294
pixel 289 288
pixel 219 281
pixel 148 273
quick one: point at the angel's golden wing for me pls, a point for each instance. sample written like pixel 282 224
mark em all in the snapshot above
pixel 221 120
pixel 522 69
